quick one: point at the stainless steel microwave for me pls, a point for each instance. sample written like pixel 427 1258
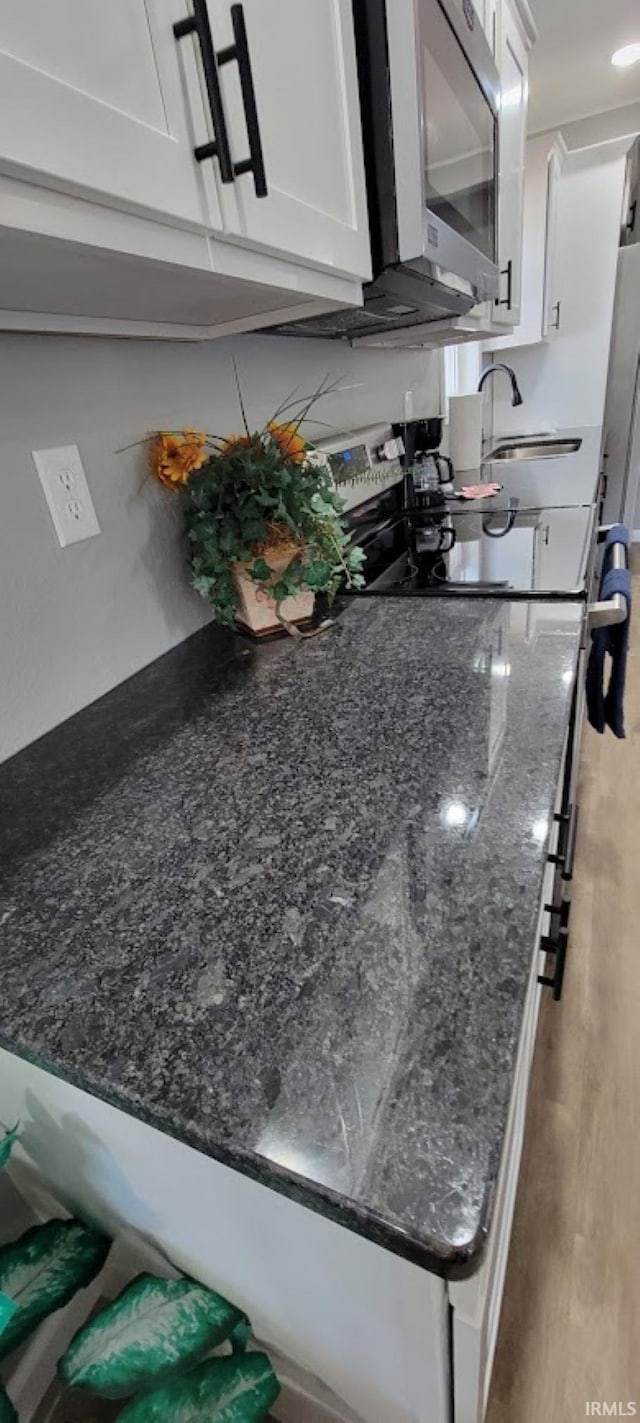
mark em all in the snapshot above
pixel 429 97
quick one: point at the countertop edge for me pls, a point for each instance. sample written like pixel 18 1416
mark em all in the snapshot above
pixel 341 1210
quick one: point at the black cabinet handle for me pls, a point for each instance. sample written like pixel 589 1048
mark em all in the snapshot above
pixel 556 323
pixel 562 910
pixel 508 273
pixel 631 220
pixel 567 847
pixel 557 946
pixel 240 52
pixel 198 24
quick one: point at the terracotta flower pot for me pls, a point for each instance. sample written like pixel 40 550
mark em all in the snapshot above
pixel 256 610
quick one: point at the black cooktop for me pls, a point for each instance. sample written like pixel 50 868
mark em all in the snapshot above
pixel 491 547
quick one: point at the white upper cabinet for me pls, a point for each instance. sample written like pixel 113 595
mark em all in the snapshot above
pixel 292 117
pixel 512 60
pixel 541 311
pixel 551 305
pixel 181 166
pixel 92 102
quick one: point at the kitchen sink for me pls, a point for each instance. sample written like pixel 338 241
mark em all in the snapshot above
pixel 533 448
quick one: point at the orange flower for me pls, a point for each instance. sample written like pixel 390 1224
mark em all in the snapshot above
pixel 291 445
pixel 174 457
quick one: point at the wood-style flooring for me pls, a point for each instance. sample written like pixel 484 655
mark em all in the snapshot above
pixel 570 1326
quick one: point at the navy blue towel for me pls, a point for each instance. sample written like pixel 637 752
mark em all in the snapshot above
pixel 607 708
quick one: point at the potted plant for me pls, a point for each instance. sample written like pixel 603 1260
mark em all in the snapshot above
pixel 262 518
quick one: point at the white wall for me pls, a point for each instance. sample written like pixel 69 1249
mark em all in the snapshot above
pixel 563 381
pixel 74 622
pixel 603 126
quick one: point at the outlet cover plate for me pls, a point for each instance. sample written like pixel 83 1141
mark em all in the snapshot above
pixel 67 493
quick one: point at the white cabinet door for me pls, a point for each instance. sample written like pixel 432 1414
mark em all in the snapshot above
pixel 544 165
pixel 551 301
pixel 92 102
pixel 512 65
pixel 301 59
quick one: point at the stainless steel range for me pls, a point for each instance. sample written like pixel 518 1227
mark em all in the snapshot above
pixel 421 537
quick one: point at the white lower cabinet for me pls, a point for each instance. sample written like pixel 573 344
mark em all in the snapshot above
pixel 360 1334
pixel 476 1302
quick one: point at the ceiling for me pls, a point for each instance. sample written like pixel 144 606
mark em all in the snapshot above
pixel 570 72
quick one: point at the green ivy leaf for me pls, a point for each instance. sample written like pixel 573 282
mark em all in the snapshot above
pixel 318 574
pixel 261 572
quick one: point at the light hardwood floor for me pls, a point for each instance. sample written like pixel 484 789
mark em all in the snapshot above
pixel 570 1326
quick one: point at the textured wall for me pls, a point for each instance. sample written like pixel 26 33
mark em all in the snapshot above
pixel 74 622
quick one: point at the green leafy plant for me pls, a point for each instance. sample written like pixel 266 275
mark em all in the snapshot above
pixel 153 1330
pixel 261 502
pixel 230 1390
pixel 41 1271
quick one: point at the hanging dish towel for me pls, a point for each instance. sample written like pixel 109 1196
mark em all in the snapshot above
pixel 606 708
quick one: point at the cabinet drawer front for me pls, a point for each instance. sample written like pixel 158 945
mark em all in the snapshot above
pixel 91 101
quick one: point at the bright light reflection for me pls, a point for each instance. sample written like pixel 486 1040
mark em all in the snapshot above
pixel 567 677
pixel 540 830
pixel 455 813
pixel 625 57
pixel 512 97
pixel 500 668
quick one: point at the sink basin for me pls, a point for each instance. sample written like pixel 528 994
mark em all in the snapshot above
pixel 533 448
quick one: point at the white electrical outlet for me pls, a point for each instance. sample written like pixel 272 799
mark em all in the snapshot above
pixel 67 493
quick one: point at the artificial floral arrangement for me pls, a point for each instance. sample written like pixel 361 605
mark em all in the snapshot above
pixel 262 517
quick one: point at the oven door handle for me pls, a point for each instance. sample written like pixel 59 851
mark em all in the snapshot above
pixel 612 610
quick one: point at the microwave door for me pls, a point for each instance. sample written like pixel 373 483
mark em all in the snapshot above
pixel 445 93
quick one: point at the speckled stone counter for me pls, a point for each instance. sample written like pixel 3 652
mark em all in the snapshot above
pixel 281 902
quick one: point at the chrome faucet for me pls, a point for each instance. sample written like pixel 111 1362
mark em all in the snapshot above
pixel 516 398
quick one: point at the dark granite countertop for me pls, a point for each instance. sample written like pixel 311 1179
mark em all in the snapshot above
pixel 281 902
